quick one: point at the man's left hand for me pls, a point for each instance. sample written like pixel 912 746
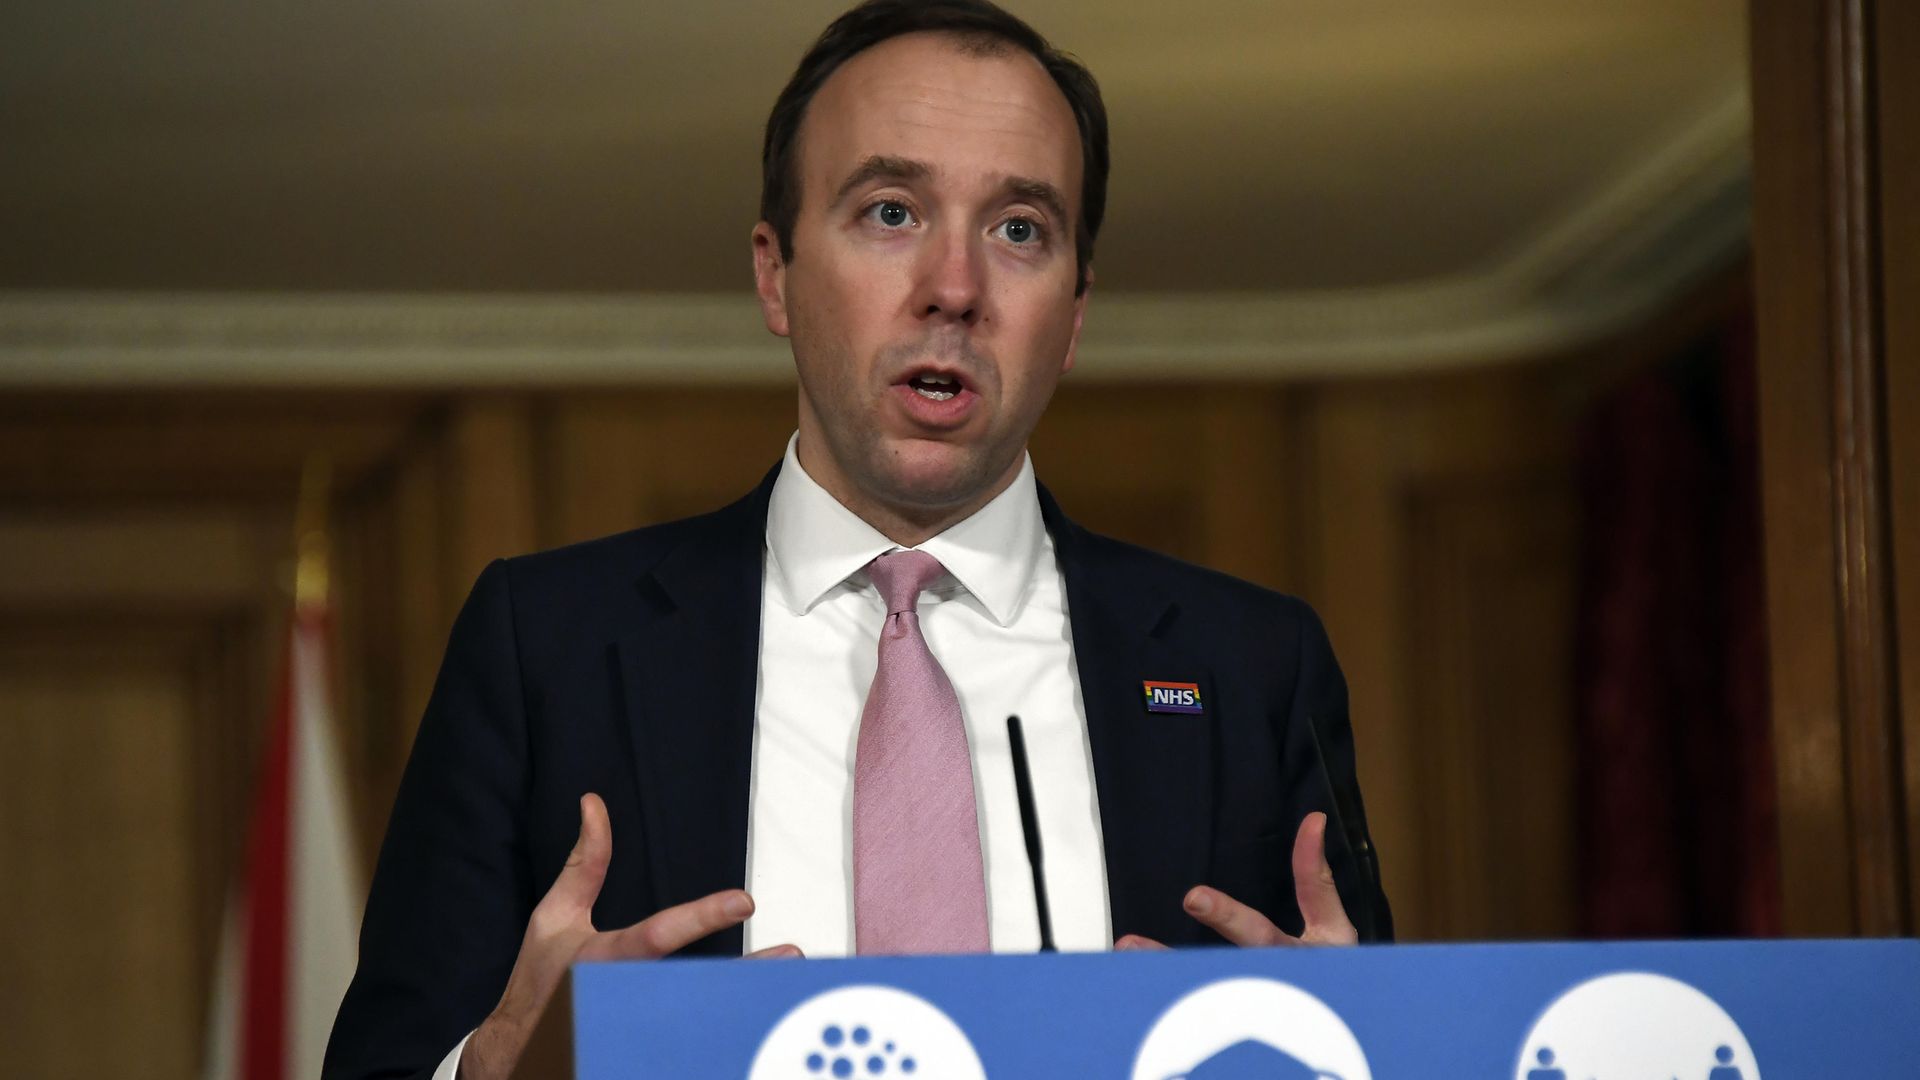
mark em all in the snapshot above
pixel 1326 920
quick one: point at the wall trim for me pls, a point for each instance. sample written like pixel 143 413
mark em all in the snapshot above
pixel 1610 263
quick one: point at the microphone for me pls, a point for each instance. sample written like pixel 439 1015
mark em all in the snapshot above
pixel 1030 828
pixel 1346 820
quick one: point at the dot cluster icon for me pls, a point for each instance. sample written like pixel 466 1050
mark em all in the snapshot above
pixel 845 1052
pixel 866 1032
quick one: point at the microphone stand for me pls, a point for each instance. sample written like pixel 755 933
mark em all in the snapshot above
pixel 1030 828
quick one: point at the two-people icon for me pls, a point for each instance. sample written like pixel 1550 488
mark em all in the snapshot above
pixel 1725 1069
pixel 1546 1071
pixel 1546 1067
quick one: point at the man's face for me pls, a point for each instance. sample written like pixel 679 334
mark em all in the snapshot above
pixel 931 297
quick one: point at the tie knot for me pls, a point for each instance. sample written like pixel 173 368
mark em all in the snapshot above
pixel 902 576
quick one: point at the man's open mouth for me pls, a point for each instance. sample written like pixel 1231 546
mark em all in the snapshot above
pixel 935 386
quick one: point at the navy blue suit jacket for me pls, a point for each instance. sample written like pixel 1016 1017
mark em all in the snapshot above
pixel 627 666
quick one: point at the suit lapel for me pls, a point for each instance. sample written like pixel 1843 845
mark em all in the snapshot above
pixel 1153 772
pixel 690 671
pixel 689 676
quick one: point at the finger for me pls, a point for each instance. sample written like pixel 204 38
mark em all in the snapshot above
pixel 1314 890
pixel 1134 942
pixel 777 952
pixel 1232 919
pixel 578 885
pixel 672 929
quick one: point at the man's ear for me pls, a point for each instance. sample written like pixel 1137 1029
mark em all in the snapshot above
pixel 770 278
pixel 1079 314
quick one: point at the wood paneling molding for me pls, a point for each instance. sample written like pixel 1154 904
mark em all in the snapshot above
pixel 1897 53
pixel 1823 383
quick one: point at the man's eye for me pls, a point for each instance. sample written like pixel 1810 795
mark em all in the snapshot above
pixel 1020 231
pixel 891 214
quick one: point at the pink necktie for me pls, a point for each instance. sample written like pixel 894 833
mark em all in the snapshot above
pixel 918 881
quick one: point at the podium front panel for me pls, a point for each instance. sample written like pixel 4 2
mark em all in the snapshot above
pixel 1819 1010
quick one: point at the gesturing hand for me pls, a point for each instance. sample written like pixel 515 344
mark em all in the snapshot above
pixel 1326 920
pixel 561 933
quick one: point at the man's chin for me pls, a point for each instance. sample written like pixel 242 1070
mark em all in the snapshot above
pixel 933 475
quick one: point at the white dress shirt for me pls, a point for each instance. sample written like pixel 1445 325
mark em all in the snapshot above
pixel 997 623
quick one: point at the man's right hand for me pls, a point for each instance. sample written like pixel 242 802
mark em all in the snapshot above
pixel 561 933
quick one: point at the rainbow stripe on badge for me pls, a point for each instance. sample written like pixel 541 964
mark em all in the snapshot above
pixel 1172 697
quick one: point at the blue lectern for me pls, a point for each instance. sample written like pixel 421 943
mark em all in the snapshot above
pixel 1809 1010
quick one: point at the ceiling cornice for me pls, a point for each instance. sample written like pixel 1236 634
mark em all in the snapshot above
pixel 1611 262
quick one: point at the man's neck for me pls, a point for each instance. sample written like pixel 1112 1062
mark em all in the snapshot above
pixel 908 526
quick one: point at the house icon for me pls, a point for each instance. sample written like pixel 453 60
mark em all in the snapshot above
pixel 1250 1059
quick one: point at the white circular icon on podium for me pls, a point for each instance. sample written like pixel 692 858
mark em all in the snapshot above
pixel 1243 1028
pixel 1635 1026
pixel 869 1032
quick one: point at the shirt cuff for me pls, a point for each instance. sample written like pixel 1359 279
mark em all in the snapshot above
pixel 450 1065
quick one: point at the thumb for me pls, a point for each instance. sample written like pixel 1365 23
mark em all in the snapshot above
pixel 578 885
pixel 1313 886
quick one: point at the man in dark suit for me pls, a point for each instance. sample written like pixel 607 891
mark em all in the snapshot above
pixel 792 709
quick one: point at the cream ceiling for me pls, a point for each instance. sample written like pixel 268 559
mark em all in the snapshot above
pixel 1462 164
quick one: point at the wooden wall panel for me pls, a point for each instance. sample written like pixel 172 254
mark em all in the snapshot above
pixel 113 556
pixel 1129 462
pixel 98 772
pixel 1399 556
pixel 189 446
pixel 1897 49
pixel 414 529
pixel 488 482
pixel 1493 596
pixel 120 736
pixel 1427 519
pixel 145 558
pixel 616 461
pixel 392 611
pixel 1249 479
pixel 592 474
pixel 1832 460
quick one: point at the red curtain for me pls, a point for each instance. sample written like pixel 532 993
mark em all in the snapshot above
pixel 1677 783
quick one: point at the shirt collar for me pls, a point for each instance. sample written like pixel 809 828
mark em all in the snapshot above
pixel 816 543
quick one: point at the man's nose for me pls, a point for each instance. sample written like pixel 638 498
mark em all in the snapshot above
pixel 951 285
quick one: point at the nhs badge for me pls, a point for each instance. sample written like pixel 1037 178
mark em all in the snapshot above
pixel 1172 697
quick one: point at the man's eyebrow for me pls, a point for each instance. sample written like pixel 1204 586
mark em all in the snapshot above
pixel 881 167
pixel 1043 193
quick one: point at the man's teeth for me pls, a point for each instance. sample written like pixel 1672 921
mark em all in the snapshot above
pixel 935 387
